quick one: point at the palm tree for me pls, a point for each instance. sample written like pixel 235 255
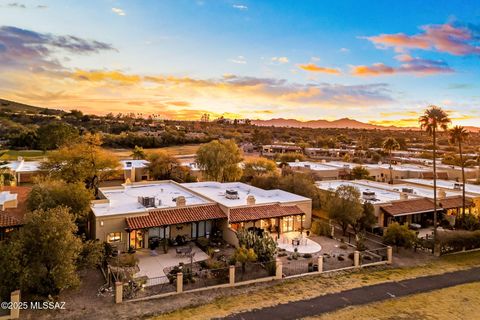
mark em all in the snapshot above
pixel 389 145
pixel 458 135
pixel 431 121
pixel 138 153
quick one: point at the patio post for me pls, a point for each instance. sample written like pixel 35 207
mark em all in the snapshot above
pixel 118 292
pixel 278 269
pixel 356 258
pixel 389 255
pixel 320 264
pixel 179 282
pixel 231 275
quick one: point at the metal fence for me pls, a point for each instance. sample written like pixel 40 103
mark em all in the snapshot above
pixel 256 270
pixel 140 288
pixel 295 267
pixel 205 278
pixel 373 255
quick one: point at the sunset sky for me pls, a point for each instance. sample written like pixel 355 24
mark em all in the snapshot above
pixel 374 61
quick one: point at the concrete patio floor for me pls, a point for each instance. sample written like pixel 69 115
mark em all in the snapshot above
pixel 306 245
pixel 152 266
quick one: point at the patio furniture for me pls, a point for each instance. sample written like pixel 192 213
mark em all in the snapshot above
pixel 183 251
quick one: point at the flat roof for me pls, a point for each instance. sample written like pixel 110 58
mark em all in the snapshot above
pixel 216 191
pixel 22 166
pixel 446 184
pixel 421 191
pixel 129 163
pixel 124 199
pixel 315 166
pixel 381 195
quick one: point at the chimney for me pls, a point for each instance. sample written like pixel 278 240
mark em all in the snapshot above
pixel 403 196
pixel 442 194
pixel 251 200
pixel 181 201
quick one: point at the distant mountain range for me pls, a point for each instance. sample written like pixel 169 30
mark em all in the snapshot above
pixel 276 122
pixel 340 123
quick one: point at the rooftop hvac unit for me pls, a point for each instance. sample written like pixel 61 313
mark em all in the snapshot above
pixel 128 164
pixel 407 190
pixel 147 202
pixel 368 195
pixel 231 194
pixel 457 186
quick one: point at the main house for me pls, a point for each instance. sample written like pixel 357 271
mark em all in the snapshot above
pixel 127 216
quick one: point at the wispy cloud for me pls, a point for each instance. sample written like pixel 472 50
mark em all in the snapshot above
pixel 119 11
pixel 240 7
pixel 454 39
pixel 409 65
pixel 311 67
pixel 280 60
pixel 238 60
pixel 344 50
pixel 21 48
pixel 16 5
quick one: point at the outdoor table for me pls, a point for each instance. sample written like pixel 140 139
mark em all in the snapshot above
pixel 183 250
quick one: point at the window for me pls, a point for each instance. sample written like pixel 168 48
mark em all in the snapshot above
pixel 114 237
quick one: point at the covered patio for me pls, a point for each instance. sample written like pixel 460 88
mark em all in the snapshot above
pixel 274 218
pixel 177 226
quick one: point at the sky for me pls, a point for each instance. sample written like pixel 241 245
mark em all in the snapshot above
pixel 381 62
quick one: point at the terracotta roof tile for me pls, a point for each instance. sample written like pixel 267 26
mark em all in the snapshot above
pixel 165 217
pixel 252 213
pixel 455 202
pixel 15 214
pixel 412 206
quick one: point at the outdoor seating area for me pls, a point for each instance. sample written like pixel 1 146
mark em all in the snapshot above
pixel 153 262
pixel 298 242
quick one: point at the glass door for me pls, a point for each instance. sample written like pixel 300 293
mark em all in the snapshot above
pixel 136 239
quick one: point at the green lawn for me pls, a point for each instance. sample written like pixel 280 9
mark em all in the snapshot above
pixel 26 154
pixel 174 150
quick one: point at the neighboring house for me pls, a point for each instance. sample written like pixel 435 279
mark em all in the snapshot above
pixel 12 208
pixel 24 171
pixel 271 150
pixel 129 215
pixel 319 170
pixel 135 170
pixel 404 203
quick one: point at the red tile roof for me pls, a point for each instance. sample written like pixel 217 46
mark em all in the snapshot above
pixel 7 221
pixel 166 217
pixel 14 216
pixel 253 213
pixel 412 206
pixel 409 206
pixel 455 202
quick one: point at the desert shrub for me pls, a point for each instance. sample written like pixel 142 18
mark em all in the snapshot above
pixel 307 255
pixel 453 241
pixel 343 246
pixel 399 236
pixel 321 228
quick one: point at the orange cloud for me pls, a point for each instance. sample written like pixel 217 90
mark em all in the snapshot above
pixel 114 76
pixel 373 70
pixel 456 40
pixel 408 64
pixel 311 67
